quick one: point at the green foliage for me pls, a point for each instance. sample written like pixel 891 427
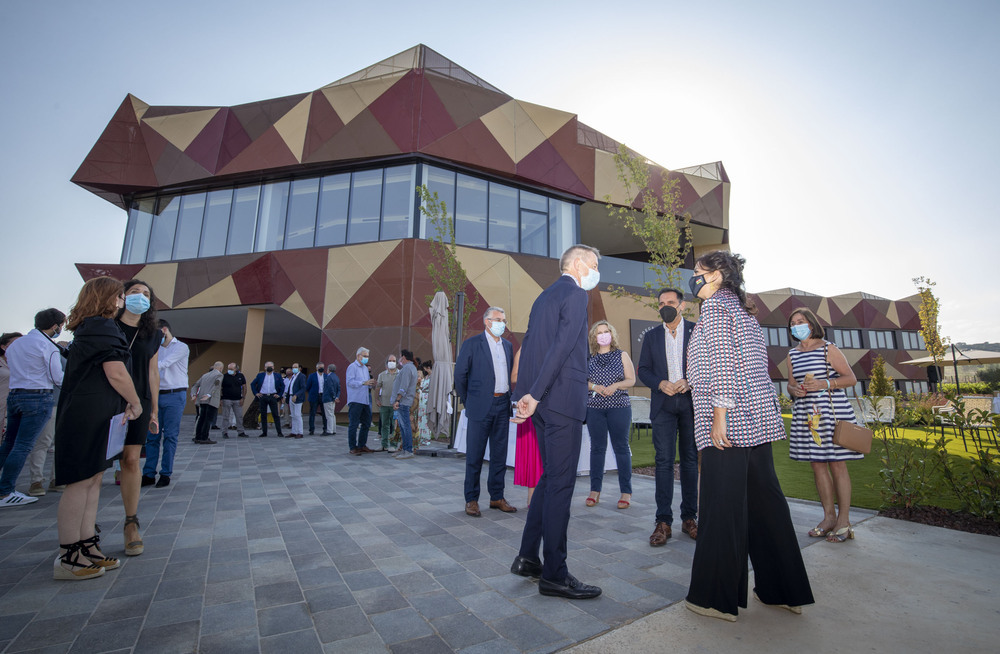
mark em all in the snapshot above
pixel 664 233
pixel 970 388
pixel 785 403
pixel 976 483
pixel 929 327
pixel 880 384
pixel 908 468
pixel 917 409
pixel 990 375
pixel 446 271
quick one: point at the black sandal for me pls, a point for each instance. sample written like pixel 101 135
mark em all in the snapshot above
pixel 106 562
pixel 81 570
pixel 135 547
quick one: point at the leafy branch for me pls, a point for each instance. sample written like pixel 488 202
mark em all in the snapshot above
pixel 445 270
pixel 930 330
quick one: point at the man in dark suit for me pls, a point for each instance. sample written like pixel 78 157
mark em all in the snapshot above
pixel 482 380
pixel 268 387
pixel 315 388
pixel 296 398
pixel 552 390
pixel 663 368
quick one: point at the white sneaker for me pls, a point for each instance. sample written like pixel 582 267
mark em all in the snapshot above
pixel 405 455
pixel 17 499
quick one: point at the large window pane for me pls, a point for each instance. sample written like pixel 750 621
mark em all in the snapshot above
pixel 140 220
pixel 472 198
pixel 397 202
pixel 503 218
pixel 302 213
pixel 335 192
pixel 161 240
pixel 366 206
pixel 213 235
pixel 562 226
pixel 271 219
pixel 189 226
pixel 534 232
pixel 534 201
pixel 243 225
pixel 441 182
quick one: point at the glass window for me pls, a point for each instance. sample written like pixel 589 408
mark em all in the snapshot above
pixel 776 336
pixel 334 194
pixel 213 235
pixel 914 387
pixel 854 391
pixel 535 202
pixel 620 271
pixel 243 223
pixel 781 387
pixel 366 206
pixel 534 232
pixel 161 240
pixel 302 213
pixel 397 202
pixel 881 340
pixel 503 218
pixel 188 236
pixel 562 226
pixel 441 182
pixel 271 218
pixel 846 338
pixel 140 220
pixel 912 341
pixel 471 202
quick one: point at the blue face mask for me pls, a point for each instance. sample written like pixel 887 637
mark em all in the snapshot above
pixel 295 371
pixel 163 339
pixel 801 332
pixel 137 304
pixel 364 360
pixel 497 328
pixel 231 372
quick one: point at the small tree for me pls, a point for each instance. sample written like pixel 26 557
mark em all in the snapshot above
pixel 663 232
pixel 446 271
pixel 930 330
pixel 880 384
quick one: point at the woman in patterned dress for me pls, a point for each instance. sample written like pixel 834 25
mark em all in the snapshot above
pixel 422 433
pixel 609 373
pixel 817 375
pixel 736 417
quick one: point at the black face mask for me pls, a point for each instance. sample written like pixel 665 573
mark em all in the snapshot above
pixel 320 369
pixel 668 314
pixel 269 369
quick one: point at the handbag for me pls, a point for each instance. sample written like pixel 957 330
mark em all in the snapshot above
pixel 846 434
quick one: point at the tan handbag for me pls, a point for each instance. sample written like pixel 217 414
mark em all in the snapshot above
pixel 846 434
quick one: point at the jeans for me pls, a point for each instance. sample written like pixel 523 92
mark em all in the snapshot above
pixel 673 431
pixel 385 424
pixel 618 422
pixel 27 414
pixel 205 421
pixel 405 428
pixel 171 408
pixel 313 408
pixel 360 419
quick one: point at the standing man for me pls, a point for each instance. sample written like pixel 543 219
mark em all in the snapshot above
pixel 172 363
pixel 552 390
pixel 404 389
pixel 663 368
pixel 234 389
pixel 331 393
pixel 384 399
pixel 207 392
pixel 296 398
pixel 35 363
pixel 359 403
pixel 482 380
pixel 267 386
pixel 314 388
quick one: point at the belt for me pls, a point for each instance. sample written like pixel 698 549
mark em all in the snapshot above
pixel 35 391
pixel 501 394
pixel 172 390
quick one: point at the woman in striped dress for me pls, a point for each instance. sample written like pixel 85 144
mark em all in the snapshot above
pixel 817 375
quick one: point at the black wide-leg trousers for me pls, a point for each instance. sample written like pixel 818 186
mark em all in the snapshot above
pixel 743 512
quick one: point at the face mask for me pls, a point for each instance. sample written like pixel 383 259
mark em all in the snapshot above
pixel 269 369
pixel 163 339
pixel 604 339
pixel 668 314
pixel 801 332
pixel 695 283
pixel 497 328
pixel 392 365
pixel 231 372
pixel 590 280
pixel 320 369
pixel 137 304
pixel 56 333
pixel 364 361
pixel 295 371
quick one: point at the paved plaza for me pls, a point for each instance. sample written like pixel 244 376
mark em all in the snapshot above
pixel 281 545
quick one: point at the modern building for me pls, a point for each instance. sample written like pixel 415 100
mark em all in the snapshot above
pixel 291 228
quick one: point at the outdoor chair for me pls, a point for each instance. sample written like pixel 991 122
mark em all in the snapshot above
pixel 640 415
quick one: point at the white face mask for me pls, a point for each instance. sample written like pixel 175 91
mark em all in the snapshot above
pixel 590 280
pixel 392 365
pixel 497 328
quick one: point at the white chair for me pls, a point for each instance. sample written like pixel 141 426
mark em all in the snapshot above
pixel 640 414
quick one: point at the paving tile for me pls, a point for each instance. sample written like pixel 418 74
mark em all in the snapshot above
pixel 300 642
pixel 526 632
pixel 41 633
pixel 174 611
pixel 180 637
pixel 369 643
pixel 120 634
pixel 177 588
pixel 400 625
pixel 341 624
pixel 463 630
pixel 229 591
pixel 277 594
pixel 11 625
pixel 225 617
pixel 119 608
pixel 425 645
pixel 380 600
pixel 329 597
pixel 490 605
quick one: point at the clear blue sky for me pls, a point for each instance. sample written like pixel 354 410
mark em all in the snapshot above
pixel 860 137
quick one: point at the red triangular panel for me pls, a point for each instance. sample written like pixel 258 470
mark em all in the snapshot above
pixel 268 151
pixel 323 124
pixel 473 145
pixel 119 157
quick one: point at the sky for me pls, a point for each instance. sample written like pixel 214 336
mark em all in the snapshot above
pixel 860 137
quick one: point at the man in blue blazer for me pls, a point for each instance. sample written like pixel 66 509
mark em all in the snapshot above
pixel 552 391
pixel 268 387
pixel 331 393
pixel 663 368
pixel 316 389
pixel 482 380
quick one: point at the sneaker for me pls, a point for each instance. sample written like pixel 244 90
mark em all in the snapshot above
pixel 16 499
pixel 242 435
pixel 53 488
pixel 147 481
pixel 163 481
pixel 215 427
pixel 392 449
pixel 37 489
pixel 405 455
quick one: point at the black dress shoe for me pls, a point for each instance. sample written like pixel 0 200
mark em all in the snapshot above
pixel 148 481
pixel 572 589
pixel 526 567
pixel 163 481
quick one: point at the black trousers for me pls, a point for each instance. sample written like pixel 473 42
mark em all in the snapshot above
pixel 313 408
pixel 269 402
pixel 206 417
pixel 743 511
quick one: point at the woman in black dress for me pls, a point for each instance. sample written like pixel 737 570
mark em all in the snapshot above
pixel 97 386
pixel 137 321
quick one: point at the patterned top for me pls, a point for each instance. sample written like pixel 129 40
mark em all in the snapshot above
pixel 802 445
pixel 604 370
pixel 727 366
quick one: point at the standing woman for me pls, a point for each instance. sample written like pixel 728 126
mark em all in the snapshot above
pixel 424 388
pixel 609 373
pixel 527 460
pixel 817 374
pixel 96 387
pixel 736 417
pixel 137 320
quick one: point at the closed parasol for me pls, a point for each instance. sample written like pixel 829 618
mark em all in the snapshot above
pixel 443 376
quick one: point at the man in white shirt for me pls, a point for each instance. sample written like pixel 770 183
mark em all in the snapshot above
pixel 172 363
pixel 35 363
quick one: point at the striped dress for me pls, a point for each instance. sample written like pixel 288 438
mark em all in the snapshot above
pixel 801 445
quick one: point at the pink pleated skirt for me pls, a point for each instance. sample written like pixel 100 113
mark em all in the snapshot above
pixel 527 461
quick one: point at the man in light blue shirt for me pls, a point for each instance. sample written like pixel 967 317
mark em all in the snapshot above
pixel 359 403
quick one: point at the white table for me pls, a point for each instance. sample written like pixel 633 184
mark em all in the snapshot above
pixel 582 467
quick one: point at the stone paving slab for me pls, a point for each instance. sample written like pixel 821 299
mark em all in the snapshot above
pixel 282 545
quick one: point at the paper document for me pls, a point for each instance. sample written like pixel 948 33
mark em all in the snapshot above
pixel 116 435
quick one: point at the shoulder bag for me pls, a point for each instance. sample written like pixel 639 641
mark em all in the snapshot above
pixel 846 434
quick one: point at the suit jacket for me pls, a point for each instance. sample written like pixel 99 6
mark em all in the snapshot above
pixel 331 388
pixel 553 367
pixel 312 387
pixel 209 384
pixel 297 387
pixel 474 375
pixel 653 363
pixel 258 382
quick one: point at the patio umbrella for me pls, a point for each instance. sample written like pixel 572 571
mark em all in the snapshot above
pixel 958 358
pixel 443 376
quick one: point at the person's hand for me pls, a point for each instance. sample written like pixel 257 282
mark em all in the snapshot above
pixel 667 387
pixel 260 395
pixel 294 397
pixel 526 406
pixel 606 391
pixel 133 411
pixel 796 391
pixel 814 384
pixel 682 386
pixel 154 422
pixel 395 405
pixel 719 440
pixel 205 398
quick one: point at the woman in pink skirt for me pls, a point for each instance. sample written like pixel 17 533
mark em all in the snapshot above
pixel 527 460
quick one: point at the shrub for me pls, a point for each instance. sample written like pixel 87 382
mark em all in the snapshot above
pixel 880 384
pixel 969 388
pixel 908 467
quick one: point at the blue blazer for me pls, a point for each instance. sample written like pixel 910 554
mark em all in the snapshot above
pixel 258 381
pixel 553 366
pixel 312 388
pixel 331 387
pixel 298 389
pixel 474 377
pixel 653 363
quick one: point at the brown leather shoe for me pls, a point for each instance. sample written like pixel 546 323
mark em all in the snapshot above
pixel 472 508
pixel 357 452
pixel 503 506
pixel 690 527
pixel 660 535
pixel 366 450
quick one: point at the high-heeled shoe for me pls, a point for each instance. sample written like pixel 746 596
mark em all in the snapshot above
pixel 592 501
pixel 840 535
pixel 72 558
pixel 106 562
pixel 134 547
pixel 818 532
pixel 797 610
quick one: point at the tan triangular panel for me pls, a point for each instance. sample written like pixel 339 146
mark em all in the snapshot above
pixel 606 180
pixel 296 306
pixel 845 305
pixel 893 314
pixel 351 99
pixel 893 372
pixel 702 185
pixel 547 119
pixel 476 262
pixel 823 312
pixel 292 126
pixel 527 291
pixel 138 106
pixel 220 294
pixel 162 277
pixel 494 285
pixel 513 129
pixel 181 129
pixel 853 355
pixel 347 269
